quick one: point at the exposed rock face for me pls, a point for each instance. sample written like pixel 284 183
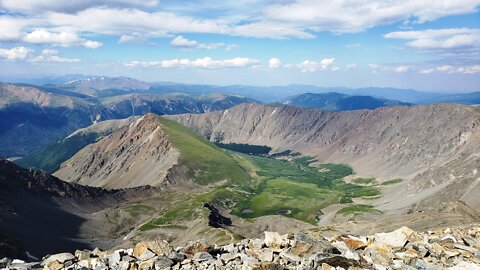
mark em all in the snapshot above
pixel 450 248
pixel 136 155
pixel 439 144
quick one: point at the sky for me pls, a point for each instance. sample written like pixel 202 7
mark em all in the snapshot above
pixel 431 45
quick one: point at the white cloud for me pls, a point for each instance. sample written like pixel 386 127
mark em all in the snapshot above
pixel 92 44
pixel 16 53
pixel 274 63
pixel 132 23
pixel 473 69
pixel 426 71
pixel 184 43
pixel 51 56
pixel 181 42
pixel 313 66
pixel 355 16
pixel 401 69
pixel 269 29
pixel 26 54
pixel 63 39
pixel 136 20
pixel 210 46
pixel 439 38
pixel 376 68
pixel 36 6
pixel 11 28
pixel 205 63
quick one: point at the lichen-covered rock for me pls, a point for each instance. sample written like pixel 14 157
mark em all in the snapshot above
pixel 275 241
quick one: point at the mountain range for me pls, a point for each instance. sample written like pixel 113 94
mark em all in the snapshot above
pixel 220 167
pixel 340 102
pixel 33 117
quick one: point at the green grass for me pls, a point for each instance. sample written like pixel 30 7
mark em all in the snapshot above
pixel 391 182
pixel 358 209
pixel 294 188
pixel 302 201
pixel 52 156
pixel 364 181
pixel 206 163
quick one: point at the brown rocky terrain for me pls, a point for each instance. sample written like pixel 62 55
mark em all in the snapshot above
pixel 433 148
pixel 136 155
pixel 454 248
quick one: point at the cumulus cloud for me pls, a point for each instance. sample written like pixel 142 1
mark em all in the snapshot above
pixel 210 46
pixel 137 20
pixel 132 23
pixel 26 54
pixel 376 68
pixel 184 43
pixel 401 69
pixel 62 39
pixel 274 63
pixel 355 16
pixel 313 66
pixel 51 56
pixel 445 68
pixel 473 69
pixel 16 53
pixel 205 63
pixel 439 38
pixel 36 6
pixel 181 42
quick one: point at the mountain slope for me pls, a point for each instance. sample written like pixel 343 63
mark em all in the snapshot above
pixel 31 118
pixel 435 147
pixel 150 151
pixel 340 102
pixel 50 157
pixel 44 214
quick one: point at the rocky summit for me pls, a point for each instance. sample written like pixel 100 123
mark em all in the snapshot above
pixel 452 248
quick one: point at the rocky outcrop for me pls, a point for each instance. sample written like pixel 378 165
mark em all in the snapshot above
pixel 447 248
pixel 136 155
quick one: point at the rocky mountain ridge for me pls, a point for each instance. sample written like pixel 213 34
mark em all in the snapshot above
pixel 443 249
pixel 109 162
pixel 386 140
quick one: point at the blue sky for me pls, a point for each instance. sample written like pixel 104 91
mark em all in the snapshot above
pixel 425 45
